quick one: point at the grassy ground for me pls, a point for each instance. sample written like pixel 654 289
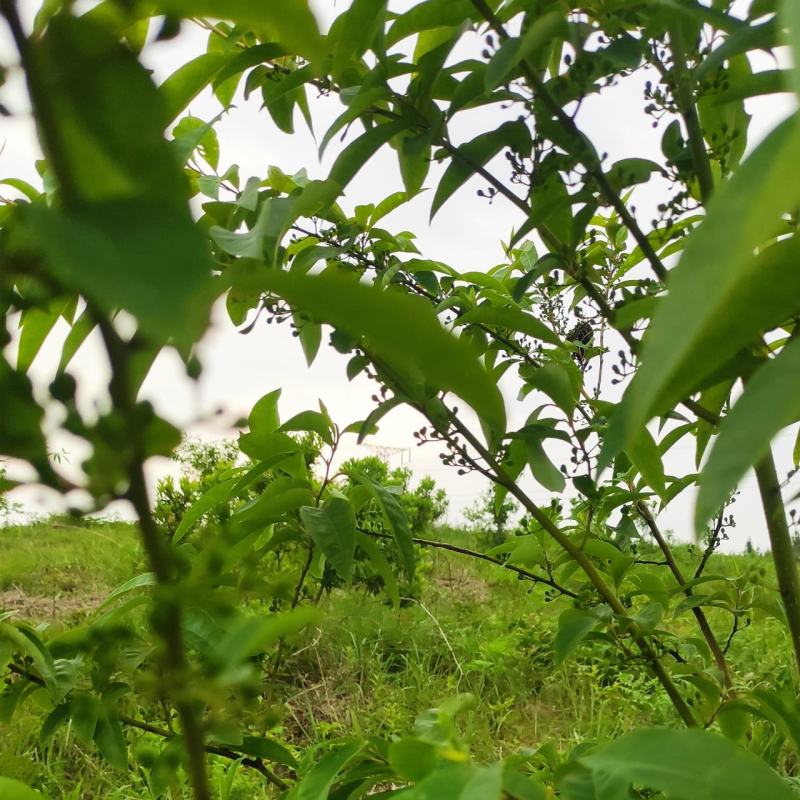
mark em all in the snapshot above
pixel 473 628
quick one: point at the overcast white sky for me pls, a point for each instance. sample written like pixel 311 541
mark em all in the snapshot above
pixel 466 233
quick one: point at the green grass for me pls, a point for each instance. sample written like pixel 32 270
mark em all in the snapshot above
pixel 473 628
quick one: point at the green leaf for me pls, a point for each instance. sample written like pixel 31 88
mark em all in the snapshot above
pixel 560 382
pixel 312 421
pixel 395 516
pixel 353 32
pixel 512 318
pixel 429 15
pixel 36 325
pixel 262 747
pixel 375 317
pixel 264 416
pixel 485 784
pixel 412 759
pixel 689 763
pixel 205 503
pixel 125 237
pixel 574 625
pixel 333 529
pixel 541 31
pixel 77 335
pixel 180 88
pixel 54 720
pixel 290 21
pixel 357 153
pixel 11 789
pixel 631 171
pixel 145 579
pixel 473 155
pixel 110 741
pixel 317 783
pixel 644 455
pixel 685 340
pixel 543 469
pixel 770 402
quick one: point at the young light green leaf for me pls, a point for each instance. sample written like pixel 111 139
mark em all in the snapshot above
pixel 375 317
pixel 333 529
pixel 770 402
pixel 689 763
pixel 715 269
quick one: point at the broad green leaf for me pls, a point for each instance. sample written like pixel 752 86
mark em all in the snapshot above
pixel 560 382
pixel 180 88
pixel 644 455
pixel 574 625
pixel 264 416
pixel 54 720
pixel 375 318
pixel 110 741
pixel 429 15
pixel 689 764
pixel 577 782
pixel 511 318
pixel 290 21
pixel 317 783
pixel 485 784
pixel 685 340
pixel 630 172
pixel 312 421
pixel 397 520
pixel 125 237
pixel 542 468
pixel 333 529
pixel 770 402
pixel 262 747
pixel 473 155
pixel 11 789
